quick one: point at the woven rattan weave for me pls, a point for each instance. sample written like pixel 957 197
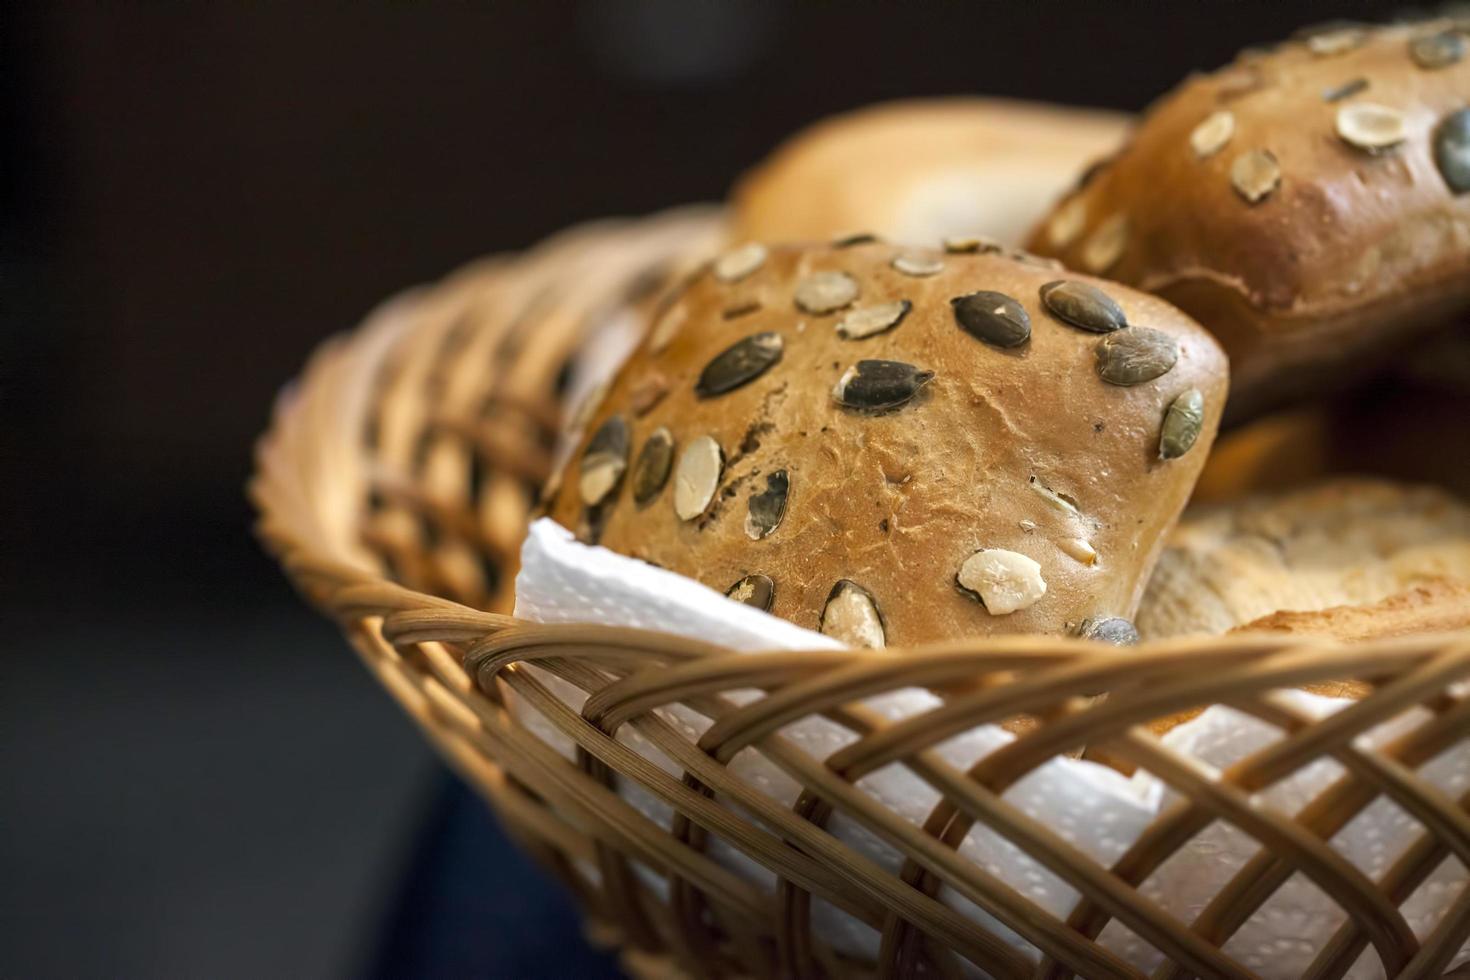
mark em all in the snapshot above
pixel 395 486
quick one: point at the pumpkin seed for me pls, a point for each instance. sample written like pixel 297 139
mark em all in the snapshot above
pixel 971 244
pixel 697 477
pixel 871 320
pixel 1437 50
pixel 651 471
pixel 825 292
pixel 1001 581
pixel 1083 305
pixel 1370 126
pixel 1210 136
pixel 874 385
pixel 917 264
pixel 667 327
pixel 859 238
pixel 604 461
pixel 754 590
pixel 851 616
pixel 1182 422
pixel 743 308
pixel 1068 222
pixel 1103 250
pixel 1335 40
pixel 1136 355
pixel 1079 549
pixel 768 507
pixel 647 392
pixel 1039 261
pixel 740 262
pixel 992 317
pixel 1109 629
pixel 1255 174
pixel 1452 150
pixel 1345 91
pixel 739 364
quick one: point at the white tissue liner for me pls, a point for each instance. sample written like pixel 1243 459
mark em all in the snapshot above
pixel 1093 807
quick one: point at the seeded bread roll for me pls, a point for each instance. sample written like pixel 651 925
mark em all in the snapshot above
pixel 1310 205
pixel 918 171
pixel 1347 542
pixel 899 446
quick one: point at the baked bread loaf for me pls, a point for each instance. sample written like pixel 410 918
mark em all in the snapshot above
pixel 918 171
pixel 1310 205
pixel 899 446
pixel 1297 559
pixel 1435 606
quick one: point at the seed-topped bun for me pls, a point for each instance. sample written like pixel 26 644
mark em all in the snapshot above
pixel 1310 205
pixel 918 170
pixel 898 446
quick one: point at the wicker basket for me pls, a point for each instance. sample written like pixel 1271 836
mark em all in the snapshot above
pixel 395 486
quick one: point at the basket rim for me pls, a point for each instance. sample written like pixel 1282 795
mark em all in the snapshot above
pixel 408 638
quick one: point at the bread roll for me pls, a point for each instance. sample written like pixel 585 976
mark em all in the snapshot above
pixel 1309 205
pixel 902 446
pixel 1272 561
pixel 921 170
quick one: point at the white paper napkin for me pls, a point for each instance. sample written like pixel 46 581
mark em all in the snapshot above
pixel 1094 808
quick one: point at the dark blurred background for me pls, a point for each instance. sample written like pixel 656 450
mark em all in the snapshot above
pixel 196 778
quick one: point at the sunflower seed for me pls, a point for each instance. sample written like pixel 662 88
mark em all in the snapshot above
pixel 754 590
pixel 877 385
pixel 1452 150
pixel 651 471
pixel 739 364
pixel 1105 247
pixel 1083 305
pixel 768 507
pixel 1338 40
pixel 1255 174
pixel 1346 90
pixel 1136 355
pixel 859 238
pixel 917 264
pixel 1079 549
pixel 1109 629
pixel 872 320
pixel 738 263
pixel 697 477
pixel 604 461
pixel 1068 222
pixel 1370 126
pixel 1058 501
pixel 962 244
pixel 825 292
pixel 992 317
pixel 647 393
pixel 1002 581
pixel 1210 136
pixel 851 616
pixel 1182 422
pixel 1437 50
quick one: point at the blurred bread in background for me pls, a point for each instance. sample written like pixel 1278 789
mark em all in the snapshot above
pixel 1361 555
pixel 917 171
pixel 1308 203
